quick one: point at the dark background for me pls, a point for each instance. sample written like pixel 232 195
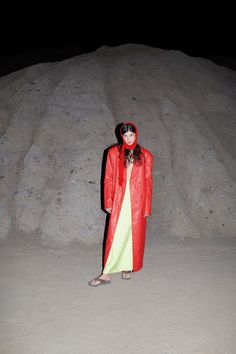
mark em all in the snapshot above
pixel 34 33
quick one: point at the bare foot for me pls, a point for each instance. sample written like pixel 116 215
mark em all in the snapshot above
pixel 102 279
pixel 126 274
pixel 105 276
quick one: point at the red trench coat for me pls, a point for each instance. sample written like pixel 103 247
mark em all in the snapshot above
pixel 141 200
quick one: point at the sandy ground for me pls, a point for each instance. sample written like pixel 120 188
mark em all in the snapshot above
pixel 182 302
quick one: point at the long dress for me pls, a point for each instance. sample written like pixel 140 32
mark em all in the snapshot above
pixel 121 253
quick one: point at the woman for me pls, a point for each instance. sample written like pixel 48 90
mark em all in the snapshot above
pixel 128 198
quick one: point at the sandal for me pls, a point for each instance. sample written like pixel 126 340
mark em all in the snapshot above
pixel 100 282
pixel 126 275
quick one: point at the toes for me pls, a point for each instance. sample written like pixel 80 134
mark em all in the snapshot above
pixel 94 282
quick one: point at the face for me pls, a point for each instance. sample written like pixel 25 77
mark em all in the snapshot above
pixel 129 137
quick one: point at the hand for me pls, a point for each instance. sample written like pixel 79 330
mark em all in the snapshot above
pixel 108 210
pixel 145 215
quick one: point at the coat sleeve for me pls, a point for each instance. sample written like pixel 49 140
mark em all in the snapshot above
pixel 108 182
pixel 149 183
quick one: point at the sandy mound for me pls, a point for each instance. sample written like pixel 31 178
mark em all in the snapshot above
pixel 57 119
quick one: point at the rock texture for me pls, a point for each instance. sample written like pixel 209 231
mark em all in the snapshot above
pixel 57 119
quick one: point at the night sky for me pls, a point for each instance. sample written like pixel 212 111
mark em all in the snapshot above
pixel 38 34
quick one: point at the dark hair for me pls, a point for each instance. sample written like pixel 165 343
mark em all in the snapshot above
pixel 137 152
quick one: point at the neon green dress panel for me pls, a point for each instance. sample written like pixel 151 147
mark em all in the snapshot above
pixel 121 254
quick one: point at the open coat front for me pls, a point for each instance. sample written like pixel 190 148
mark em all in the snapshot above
pixel 140 196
